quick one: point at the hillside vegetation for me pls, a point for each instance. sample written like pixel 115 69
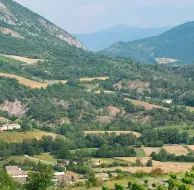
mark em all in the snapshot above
pixel 174 46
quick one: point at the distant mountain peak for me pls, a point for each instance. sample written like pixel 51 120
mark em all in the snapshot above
pixel 105 38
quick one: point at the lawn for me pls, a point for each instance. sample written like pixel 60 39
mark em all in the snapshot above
pixel 13 136
pixel 140 152
pixel 46 157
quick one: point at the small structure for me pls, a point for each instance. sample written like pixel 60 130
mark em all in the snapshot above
pixel 9 127
pixel 16 173
pixel 61 177
pixel 103 176
pixel 170 101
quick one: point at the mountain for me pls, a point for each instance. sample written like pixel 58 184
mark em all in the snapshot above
pixel 27 27
pixel 175 45
pixel 105 38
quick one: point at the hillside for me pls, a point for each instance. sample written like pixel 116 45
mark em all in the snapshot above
pixel 25 26
pixel 175 45
pixel 105 38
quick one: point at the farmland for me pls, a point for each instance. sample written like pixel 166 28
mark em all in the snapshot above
pixel 36 84
pixel 20 136
pixel 146 105
pixel 24 59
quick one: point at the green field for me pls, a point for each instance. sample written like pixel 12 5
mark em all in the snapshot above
pixel 140 152
pixel 13 136
pixel 46 157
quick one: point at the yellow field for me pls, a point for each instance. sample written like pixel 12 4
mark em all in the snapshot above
pixel 94 78
pixel 148 150
pixel 116 132
pixel 20 136
pixel 190 108
pixel 147 105
pixel 143 160
pixel 35 84
pixel 25 82
pixel 191 147
pixel 176 149
pixel 166 167
pixel 24 59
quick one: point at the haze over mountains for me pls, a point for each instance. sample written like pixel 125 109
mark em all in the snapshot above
pixel 175 45
pixel 105 38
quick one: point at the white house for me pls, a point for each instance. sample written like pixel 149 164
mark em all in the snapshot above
pixel 9 127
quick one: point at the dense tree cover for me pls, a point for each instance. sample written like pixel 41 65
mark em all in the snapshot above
pixel 6 182
pixel 115 151
pixel 164 136
pixel 40 180
pixel 164 157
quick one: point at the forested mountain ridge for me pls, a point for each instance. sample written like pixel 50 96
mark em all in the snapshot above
pixel 175 45
pixel 25 26
pixel 105 38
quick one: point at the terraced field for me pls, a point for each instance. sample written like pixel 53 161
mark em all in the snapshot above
pixel 146 105
pixel 20 136
pixel 35 84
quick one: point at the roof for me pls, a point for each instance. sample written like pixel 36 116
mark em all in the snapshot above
pixel 15 170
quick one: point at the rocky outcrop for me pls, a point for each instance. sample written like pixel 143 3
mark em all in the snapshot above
pixel 14 108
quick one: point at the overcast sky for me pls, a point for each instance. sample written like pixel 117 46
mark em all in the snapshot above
pixel 85 16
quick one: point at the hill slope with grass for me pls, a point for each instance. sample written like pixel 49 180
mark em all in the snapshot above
pixel 175 45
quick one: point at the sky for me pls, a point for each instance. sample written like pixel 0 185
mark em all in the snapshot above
pixel 87 16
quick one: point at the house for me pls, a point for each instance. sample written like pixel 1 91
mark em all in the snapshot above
pixel 9 127
pixel 170 101
pixel 103 176
pixel 62 177
pixel 16 173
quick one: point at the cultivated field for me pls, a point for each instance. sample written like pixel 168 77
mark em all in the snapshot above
pixel 148 150
pixel 35 84
pixel 116 132
pixel 176 149
pixel 143 160
pixel 190 108
pixel 24 81
pixel 88 79
pixel 20 136
pixel 166 167
pixel 24 59
pixel 147 105
pixel 191 147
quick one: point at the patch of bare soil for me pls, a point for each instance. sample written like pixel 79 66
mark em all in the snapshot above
pixel 112 111
pixel 133 84
pixel 14 108
pixel 7 31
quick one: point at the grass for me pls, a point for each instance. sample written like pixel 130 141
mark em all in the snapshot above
pixel 13 136
pixel 140 152
pixel 46 157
